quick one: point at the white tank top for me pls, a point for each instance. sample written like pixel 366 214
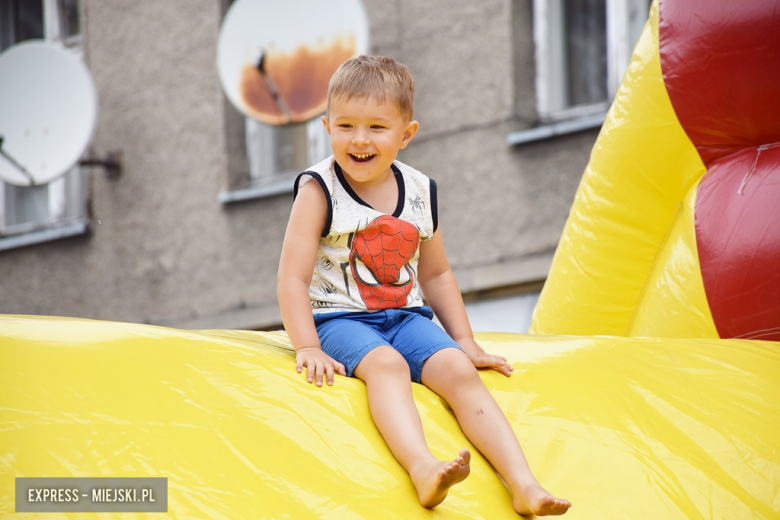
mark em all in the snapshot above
pixel 367 260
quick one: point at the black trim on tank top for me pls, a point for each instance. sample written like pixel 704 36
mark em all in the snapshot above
pixel 399 179
pixel 434 206
pixel 316 176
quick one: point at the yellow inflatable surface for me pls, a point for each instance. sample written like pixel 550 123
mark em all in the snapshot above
pixel 623 427
pixel 635 423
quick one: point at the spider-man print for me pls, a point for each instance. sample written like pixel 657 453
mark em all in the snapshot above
pixel 417 204
pixel 379 259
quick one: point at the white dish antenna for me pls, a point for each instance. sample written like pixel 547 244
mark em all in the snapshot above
pixel 275 58
pixel 48 110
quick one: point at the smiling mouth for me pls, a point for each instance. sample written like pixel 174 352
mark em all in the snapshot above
pixel 362 157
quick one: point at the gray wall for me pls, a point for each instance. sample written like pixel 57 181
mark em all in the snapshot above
pixel 163 250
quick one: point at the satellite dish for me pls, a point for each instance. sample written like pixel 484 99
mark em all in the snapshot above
pixel 275 59
pixel 48 109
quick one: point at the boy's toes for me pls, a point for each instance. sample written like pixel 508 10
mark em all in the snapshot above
pixel 450 469
pixel 465 456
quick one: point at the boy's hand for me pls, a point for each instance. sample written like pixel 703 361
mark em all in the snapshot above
pixel 317 363
pixel 482 359
pixel 497 363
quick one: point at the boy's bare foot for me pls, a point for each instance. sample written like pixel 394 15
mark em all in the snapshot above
pixel 537 501
pixel 433 482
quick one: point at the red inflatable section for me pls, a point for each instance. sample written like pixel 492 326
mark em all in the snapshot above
pixel 738 237
pixel 721 65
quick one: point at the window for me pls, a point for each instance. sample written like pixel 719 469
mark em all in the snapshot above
pixel 61 204
pixel 276 153
pixel 582 50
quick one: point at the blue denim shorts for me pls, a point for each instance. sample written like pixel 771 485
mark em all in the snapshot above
pixel 348 336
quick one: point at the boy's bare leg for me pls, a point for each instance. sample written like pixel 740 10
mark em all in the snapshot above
pixel 387 378
pixel 451 374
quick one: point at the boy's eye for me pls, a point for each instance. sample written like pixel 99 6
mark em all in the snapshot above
pixel 377 127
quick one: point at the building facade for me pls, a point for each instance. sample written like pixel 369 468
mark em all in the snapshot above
pixel 509 95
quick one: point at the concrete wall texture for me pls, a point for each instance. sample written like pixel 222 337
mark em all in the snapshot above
pixel 163 250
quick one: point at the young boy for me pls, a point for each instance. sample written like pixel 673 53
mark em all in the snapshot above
pixel 361 243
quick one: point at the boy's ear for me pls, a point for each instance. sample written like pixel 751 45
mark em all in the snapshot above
pixel 409 133
pixel 325 122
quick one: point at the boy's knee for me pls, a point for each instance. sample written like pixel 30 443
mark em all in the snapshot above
pixel 385 359
pixel 461 367
pixel 454 363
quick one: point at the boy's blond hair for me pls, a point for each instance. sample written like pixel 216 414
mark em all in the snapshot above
pixel 374 77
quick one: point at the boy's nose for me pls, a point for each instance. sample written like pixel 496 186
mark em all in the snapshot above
pixel 360 138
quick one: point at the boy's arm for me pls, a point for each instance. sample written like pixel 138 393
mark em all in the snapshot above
pixel 441 290
pixel 299 252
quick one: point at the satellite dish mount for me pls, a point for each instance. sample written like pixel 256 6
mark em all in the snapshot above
pixel 112 164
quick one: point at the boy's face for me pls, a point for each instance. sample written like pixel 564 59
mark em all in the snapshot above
pixel 366 135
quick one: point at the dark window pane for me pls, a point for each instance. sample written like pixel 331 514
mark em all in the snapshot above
pixel 20 20
pixel 6 24
pixel 29 20
pixel 586 34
